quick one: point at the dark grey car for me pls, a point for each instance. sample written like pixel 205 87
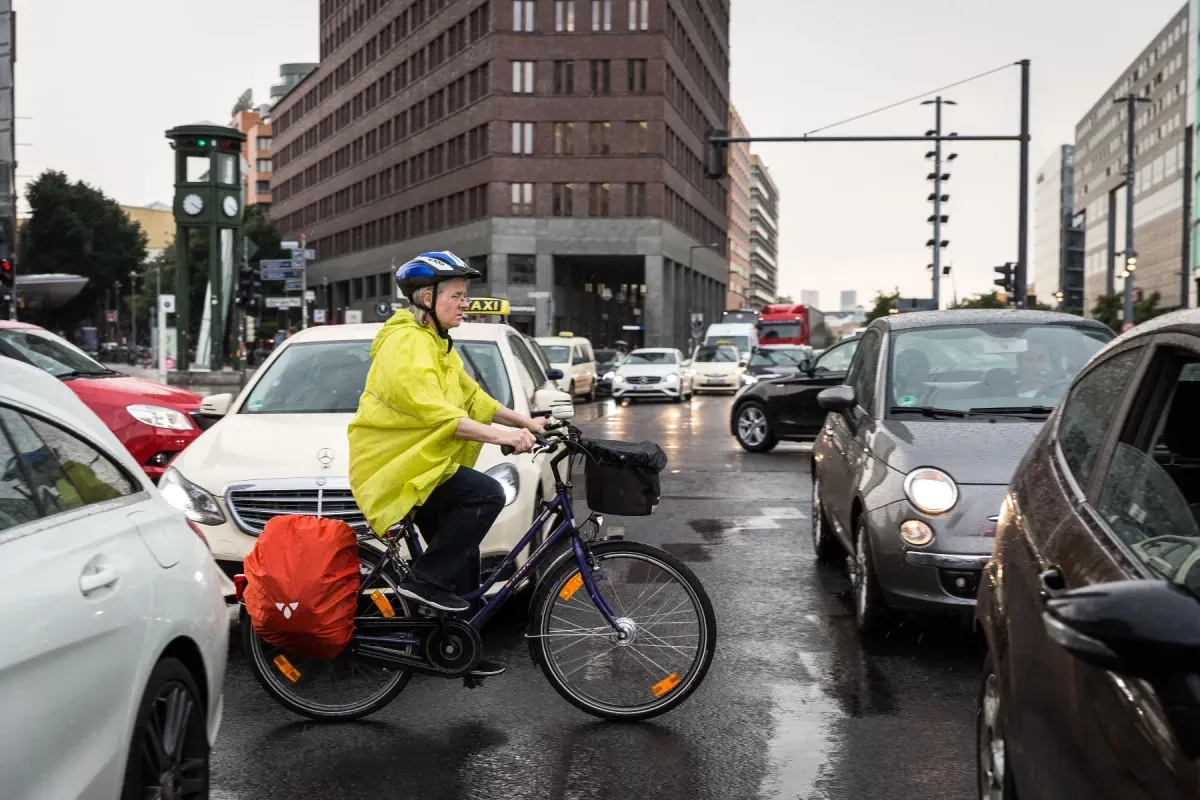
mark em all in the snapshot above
pixel 910 468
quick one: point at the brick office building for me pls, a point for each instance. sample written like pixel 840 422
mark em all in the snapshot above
pixel 557 144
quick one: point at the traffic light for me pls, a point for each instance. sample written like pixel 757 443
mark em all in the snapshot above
pixel 248 286
pixel 1005 281
pixel 7 277
pixel 716 163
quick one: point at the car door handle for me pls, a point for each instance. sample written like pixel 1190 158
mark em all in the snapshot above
pixel 97 578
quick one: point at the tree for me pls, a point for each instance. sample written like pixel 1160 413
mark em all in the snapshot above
pixel 983 300
pixel 76 229
pixel 1107 309
pixel 785 299
pixel 1147 309
pixel 884 304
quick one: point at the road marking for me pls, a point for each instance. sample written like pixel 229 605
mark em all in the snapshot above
pixel 785 512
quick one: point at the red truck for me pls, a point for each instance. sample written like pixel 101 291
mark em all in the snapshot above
pixel 792 324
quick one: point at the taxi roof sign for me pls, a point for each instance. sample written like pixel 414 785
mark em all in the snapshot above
pixel 565 333
pixel 488 305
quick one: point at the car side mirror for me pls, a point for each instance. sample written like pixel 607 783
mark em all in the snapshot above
pixel 216 405
pixel 546 399
pixel 806 365
pixel 554 374
pixel 838 398
pixel 1142 629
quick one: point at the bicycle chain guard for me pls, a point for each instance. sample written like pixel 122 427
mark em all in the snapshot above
pixel 432 633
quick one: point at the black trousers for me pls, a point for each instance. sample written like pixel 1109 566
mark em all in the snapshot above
pixel 453 521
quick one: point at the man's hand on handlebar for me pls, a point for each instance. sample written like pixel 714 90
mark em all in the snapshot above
pixel 516 440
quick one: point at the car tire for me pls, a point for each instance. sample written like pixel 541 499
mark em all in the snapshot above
pixel 591 396
pixel 170 705
pixel 825 543
pixel 753 428
pixel 870 609
pixel 571 389
pixel 993 767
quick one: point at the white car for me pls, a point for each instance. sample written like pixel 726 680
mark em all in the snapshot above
pixel 281 446
pixel 654 372
pixel 717 369
pixel 113 628
pixel 572 356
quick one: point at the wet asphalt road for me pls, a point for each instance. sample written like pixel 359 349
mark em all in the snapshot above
pixel 793 707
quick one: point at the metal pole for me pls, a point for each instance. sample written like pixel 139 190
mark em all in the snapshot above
pixel 1131 108
pixel 158 338
pixel 1185 249
pixel 1021 278
pixel 1110 286
pixel 133 310
pixel 303 283
pixel 937 203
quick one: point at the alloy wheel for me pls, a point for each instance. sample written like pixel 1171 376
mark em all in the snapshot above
pixel 174 747
pixel 991 742
pixel 817 527
pixel 752 426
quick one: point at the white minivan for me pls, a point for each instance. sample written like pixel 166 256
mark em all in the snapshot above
pixel 742 335
pixel 574 357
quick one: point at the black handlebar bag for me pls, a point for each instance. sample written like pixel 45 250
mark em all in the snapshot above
pixel 622 477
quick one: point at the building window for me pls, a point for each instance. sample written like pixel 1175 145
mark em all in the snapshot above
pixel 635 199
pixel 599 138
pixel 522 77
pixel 637 75
pixel 602 15
pixel 522 270
pixel 601 77
pixel 597 199
pixel 264 142
pixel 522 199
pixel 264 165
pixel 564 200
pixel 564 15
pixel 522 138
pixel 523 16
pixel 564 138
pixel 639 12
pixel 564 77
pixel 263 187
pixel 638 136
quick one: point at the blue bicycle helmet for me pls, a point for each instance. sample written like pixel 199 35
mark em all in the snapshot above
pixel 431 269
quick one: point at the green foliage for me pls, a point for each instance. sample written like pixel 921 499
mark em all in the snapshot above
pixel 1108 309
pixel 784 299
pixel 983 300
pixel 76 229
pixel 884 303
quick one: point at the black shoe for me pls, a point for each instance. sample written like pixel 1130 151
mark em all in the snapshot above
pixel 432 596
pixel 486 668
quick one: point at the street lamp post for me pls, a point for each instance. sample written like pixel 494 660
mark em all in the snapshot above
pixel 133 307
pixel 117 309
pixel 937 176
pixel 1131 100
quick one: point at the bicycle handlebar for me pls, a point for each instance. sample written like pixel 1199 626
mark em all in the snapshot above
pixel 544 441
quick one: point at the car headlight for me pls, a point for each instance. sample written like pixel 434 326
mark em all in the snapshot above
pixel 618 379
pixel 931 490
pixel 672 378
pixel 608 376
pixel 160 417
pixel 197 504
pixel 509 479
pixel 748 379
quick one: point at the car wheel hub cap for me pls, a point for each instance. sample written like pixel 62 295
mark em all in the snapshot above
pixel 752 426
pixel 860 575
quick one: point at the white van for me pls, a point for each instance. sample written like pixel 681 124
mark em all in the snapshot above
pixel 742 335
pixel 573 355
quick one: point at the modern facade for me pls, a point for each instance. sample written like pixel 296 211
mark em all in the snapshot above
pixel 289 76
pixel 811 298
pixel 738 277
pixel 764 235
pixel 556 145
pixel 849 300
pixel 256 153
pixel 158 222
pixel 1160 75
pixel 1058 243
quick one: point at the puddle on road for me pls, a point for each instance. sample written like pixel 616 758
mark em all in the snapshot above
pixel 713 530
pixel 802 738
pixel 688 551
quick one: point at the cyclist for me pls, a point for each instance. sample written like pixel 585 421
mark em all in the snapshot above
pixel 420 425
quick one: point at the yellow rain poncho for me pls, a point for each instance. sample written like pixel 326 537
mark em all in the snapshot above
pixel 402 443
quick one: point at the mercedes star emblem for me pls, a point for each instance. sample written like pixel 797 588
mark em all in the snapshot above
pixel 325 456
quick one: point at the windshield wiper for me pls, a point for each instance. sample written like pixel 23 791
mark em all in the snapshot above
pixel 930 411
pixel 86 373
pixel 1014 411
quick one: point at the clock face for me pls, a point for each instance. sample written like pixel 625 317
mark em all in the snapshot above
pixel 231 206
pixel 192 204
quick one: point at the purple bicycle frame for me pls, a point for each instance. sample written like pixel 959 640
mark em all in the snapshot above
pixel 560 503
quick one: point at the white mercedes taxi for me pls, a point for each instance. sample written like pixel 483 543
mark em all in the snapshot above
pixel 280 447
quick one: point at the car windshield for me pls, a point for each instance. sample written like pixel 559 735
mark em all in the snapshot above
pixel 742 343
pixel 778 330
pixel 557 353
pixel 707 354
pixel 46 351
pixel 978 368
pixel 606 356
pixel 329 377
pixel 787 358
pixel 649 357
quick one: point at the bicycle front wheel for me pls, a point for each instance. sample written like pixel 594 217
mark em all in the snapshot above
pixel 668 625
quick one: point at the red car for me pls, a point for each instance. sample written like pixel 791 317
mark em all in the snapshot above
pixel 155 422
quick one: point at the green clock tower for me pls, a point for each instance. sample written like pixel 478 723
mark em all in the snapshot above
pixel 208 197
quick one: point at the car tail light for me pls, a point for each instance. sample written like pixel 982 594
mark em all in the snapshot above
pixel 196 529
pixel 239 586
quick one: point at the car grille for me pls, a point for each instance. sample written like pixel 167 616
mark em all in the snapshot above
pixel 253 508
pixel 643 380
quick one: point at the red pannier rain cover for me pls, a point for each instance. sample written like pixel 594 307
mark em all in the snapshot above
pixel 302 585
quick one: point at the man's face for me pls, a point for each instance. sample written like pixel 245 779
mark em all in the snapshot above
pixel 1035 364
pixel 452 302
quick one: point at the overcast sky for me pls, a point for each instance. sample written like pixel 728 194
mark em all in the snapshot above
pixel 103 79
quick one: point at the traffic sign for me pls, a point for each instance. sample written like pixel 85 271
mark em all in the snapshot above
pixel 281 274
pixel 310 255
pixel 293 284
pixel 283 302
pixel 275 263
pixel 290 245
pixel 319 316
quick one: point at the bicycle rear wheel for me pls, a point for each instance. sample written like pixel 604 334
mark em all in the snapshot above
pixel 660 604
pixel 332 690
